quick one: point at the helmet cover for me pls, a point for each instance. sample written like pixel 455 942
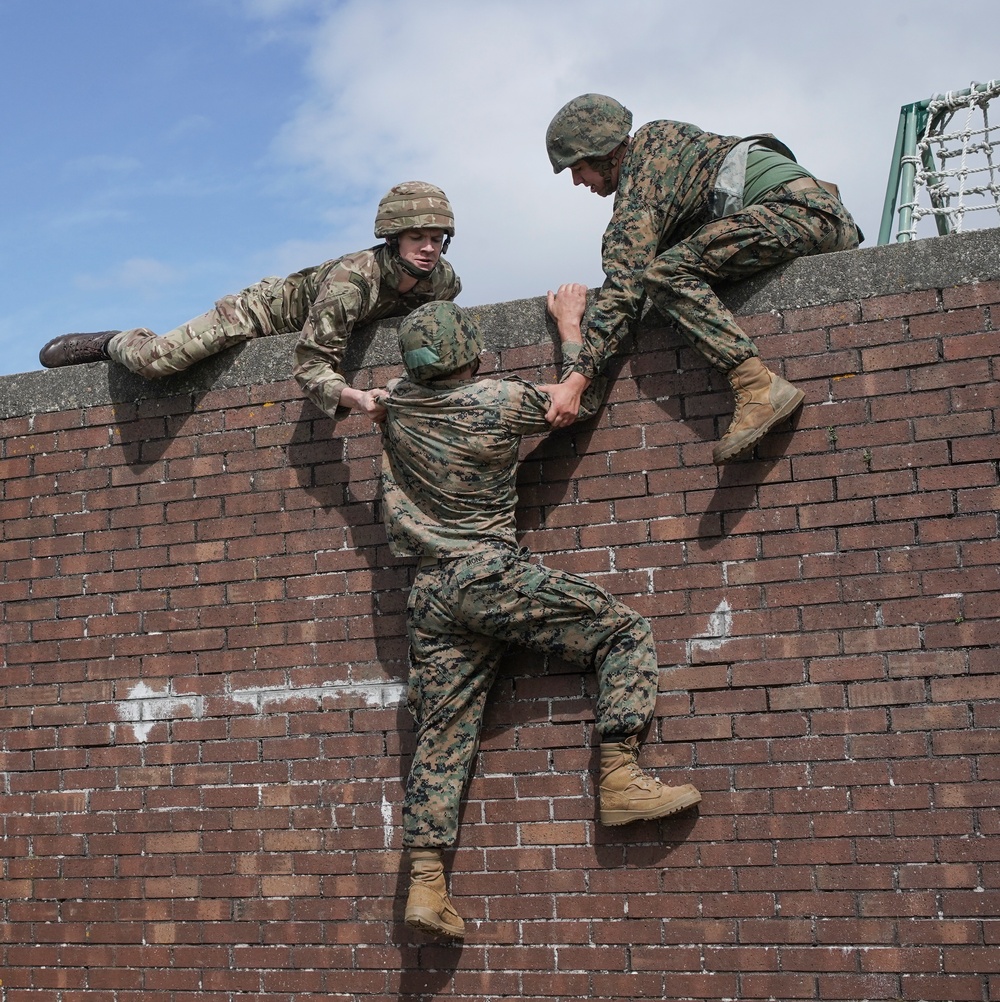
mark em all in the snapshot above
pixel 438 339
pixel 413 205
pixel 588 127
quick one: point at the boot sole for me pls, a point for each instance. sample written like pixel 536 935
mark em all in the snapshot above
pixel 614 819
pixel 782 414
pixel 427 921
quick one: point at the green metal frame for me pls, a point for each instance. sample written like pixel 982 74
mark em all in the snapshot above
pixel 913 126
pixel 912 123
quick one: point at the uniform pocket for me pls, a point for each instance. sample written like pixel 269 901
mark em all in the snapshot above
pixel 561 590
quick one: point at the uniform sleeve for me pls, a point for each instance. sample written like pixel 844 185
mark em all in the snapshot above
pixel 320 349
pixel 446 284
pixel 522 406
pixel 628 248
pixel 663 184
pixel 593 395
pixel 454 288
pixel 525 406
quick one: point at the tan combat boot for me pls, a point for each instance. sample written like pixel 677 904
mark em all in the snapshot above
pixel 763 400
pixel 629 794
pixel 428 907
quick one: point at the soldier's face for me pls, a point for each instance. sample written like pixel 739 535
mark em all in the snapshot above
pixel 592 178
pixel 421 248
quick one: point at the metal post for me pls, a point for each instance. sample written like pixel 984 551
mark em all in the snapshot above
pixel 892 188
pixel 907 173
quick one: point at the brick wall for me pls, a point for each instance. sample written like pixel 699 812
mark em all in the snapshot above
pixel 202 715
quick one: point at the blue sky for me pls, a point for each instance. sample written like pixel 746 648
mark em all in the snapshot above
pixel 162 153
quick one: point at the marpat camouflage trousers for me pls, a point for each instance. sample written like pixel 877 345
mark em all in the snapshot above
pixel 784 226
pixel 461 615
pixel 255 312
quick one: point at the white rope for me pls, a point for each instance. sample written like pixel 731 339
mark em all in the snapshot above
pixel 950 188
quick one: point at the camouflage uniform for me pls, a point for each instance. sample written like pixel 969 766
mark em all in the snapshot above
pixel 323 303
pixel 664 242
pixel 449 492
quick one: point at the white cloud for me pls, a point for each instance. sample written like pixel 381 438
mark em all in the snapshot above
pixel 463 103
pixel 143 275
pixel 460 94
pixel 293 255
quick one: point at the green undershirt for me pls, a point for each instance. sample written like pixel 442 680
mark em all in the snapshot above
pixel 765 171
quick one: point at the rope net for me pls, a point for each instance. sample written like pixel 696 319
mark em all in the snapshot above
pixel 957 166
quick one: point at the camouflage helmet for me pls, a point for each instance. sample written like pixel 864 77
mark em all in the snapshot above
pixel 437 339
pixel 590 125
pixel 413 205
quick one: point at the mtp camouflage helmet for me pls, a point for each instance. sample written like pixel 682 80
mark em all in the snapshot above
pixel 413 205
pixel 438 339
pixel 588 127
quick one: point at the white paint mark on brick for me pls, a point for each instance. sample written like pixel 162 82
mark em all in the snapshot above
pixel 380 695
pixel 143 707
pixel 720 628
pixel 387 821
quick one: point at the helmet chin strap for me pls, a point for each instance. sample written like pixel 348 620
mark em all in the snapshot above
pixel 605 166
pixel 412 269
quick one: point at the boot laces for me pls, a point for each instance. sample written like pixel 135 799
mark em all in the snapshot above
pixel 741 395
pixel 79 351
pixel 82 347
pixel 636 775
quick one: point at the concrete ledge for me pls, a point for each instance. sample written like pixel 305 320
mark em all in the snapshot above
pixel 934 263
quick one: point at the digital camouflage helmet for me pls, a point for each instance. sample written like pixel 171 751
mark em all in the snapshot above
pixel 413 205
pixel 588 127
pixel 438 339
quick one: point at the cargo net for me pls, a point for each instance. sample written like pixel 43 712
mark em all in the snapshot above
pixel 956 160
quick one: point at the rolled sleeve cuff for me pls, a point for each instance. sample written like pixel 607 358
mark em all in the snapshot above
pixel 584 365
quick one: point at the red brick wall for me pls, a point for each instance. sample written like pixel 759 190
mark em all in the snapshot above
pixel 203 739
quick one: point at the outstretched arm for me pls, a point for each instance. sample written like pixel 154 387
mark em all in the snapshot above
pixel 566 306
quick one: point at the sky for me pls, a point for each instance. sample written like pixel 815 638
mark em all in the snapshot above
pixel 161 154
